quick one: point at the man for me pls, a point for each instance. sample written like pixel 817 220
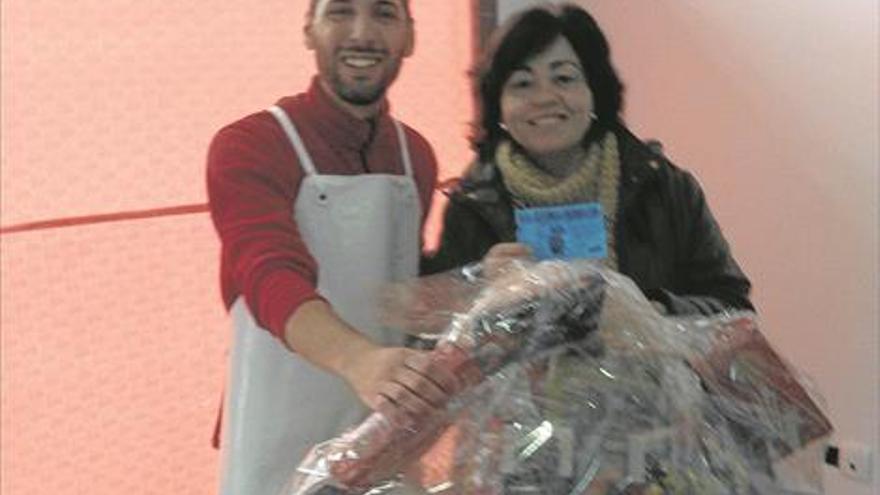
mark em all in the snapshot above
pixel 318 203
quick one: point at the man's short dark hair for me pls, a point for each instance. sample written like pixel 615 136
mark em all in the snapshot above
pixel 527 34
pixel 314 3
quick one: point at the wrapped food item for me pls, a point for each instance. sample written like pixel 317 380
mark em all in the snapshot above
pixel 518 317
pixel 576 385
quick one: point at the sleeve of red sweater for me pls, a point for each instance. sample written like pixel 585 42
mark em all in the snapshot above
pixel 252 185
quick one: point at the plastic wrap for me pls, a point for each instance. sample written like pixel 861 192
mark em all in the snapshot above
pixel 573 383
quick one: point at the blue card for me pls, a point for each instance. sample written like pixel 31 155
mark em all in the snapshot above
pixel 563 232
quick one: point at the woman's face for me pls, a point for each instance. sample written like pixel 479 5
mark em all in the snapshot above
pixel 546 104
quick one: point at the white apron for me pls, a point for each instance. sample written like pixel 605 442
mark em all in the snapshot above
pixel 363 231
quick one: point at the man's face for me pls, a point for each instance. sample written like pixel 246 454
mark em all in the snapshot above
pixel 359 46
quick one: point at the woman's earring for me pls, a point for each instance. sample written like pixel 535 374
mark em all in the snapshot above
pixel 503 127
pixel 593 116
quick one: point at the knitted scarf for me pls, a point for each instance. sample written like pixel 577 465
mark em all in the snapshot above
pixel 596 179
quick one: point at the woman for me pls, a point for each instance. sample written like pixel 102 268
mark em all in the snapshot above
pixel 550 133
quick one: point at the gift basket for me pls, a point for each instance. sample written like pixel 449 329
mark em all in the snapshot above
pixel 572 383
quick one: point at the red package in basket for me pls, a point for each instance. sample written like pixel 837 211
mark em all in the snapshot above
pixel 524 313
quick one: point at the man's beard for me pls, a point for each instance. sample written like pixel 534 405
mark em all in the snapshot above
pixel 362 95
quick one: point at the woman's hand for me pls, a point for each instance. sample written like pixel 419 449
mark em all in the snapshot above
pixel 500 257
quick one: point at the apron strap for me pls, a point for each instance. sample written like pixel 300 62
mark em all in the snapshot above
pixel 305 160
pixel 404 149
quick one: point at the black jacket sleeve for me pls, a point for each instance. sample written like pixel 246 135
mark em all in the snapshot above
pixel 465 238
pixel 709 279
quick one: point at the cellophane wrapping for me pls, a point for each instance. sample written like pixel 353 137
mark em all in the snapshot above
pixel 571 382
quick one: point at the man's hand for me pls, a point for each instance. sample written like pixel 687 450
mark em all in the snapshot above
pixel 400 383
pixel 501 255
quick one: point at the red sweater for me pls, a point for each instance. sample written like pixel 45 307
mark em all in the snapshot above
pixel 253 180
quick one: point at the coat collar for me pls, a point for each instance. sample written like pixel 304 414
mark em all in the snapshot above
pixel 640 166
pixel 344 128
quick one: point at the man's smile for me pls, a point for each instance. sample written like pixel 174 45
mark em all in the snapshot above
pixel 361 59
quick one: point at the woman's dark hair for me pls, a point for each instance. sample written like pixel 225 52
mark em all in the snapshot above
pixel 527 34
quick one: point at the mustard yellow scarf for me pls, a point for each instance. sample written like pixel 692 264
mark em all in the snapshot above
pixel 596 179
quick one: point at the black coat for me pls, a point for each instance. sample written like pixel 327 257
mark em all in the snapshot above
pixel 668 242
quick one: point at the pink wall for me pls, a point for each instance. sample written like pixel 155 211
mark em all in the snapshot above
pixel 775 106
pixel 113 334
